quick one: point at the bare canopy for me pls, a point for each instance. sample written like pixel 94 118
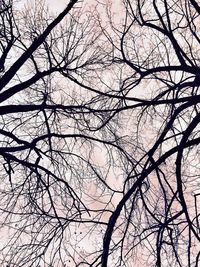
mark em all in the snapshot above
pixel 99 134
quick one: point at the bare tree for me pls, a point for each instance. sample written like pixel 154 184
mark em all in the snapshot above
pixel 99 134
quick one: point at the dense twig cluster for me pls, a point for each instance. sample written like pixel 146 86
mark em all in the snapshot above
pixel 99 134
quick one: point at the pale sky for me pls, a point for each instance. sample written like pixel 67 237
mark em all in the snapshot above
pixel 57 5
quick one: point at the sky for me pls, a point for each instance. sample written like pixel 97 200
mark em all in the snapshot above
pixel 57 5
